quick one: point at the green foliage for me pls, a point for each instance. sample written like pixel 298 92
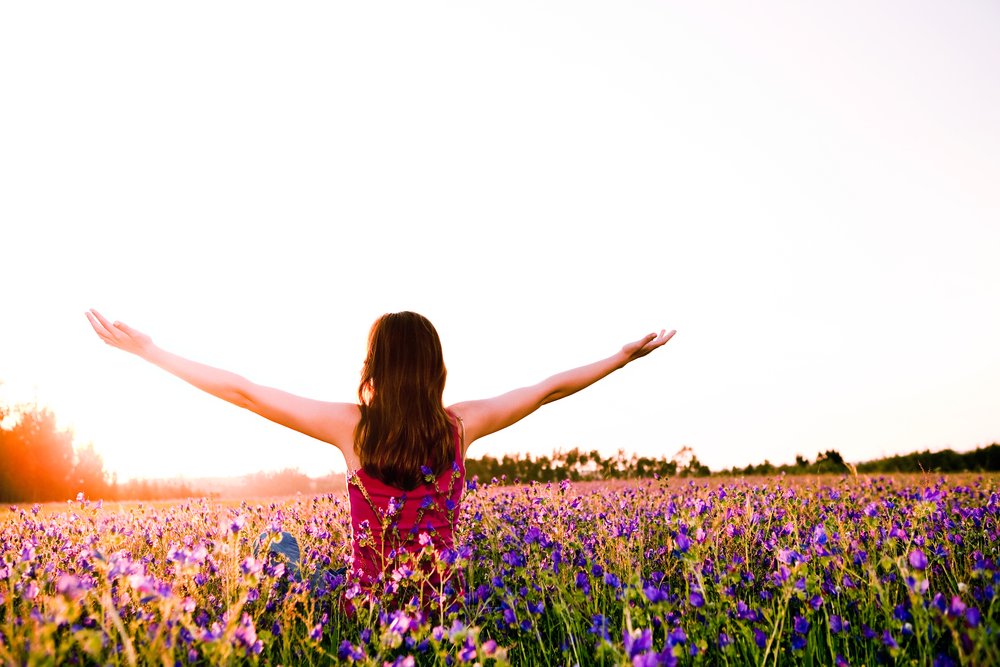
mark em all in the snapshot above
pixel 982 459
pixel 573 465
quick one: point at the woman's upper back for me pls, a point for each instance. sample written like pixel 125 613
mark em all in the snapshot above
pixel 387 522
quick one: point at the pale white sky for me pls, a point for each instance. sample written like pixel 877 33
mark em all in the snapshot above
pixel 808 194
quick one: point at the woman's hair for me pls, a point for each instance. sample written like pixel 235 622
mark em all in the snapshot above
pixel 403 422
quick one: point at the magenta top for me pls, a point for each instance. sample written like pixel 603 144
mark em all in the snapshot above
pixel 386 521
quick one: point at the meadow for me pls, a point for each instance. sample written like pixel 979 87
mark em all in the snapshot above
pixel 828 570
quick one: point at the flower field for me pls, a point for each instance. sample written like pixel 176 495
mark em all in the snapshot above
pixel 820 571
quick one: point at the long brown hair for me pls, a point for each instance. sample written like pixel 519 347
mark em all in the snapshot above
pixel 403 422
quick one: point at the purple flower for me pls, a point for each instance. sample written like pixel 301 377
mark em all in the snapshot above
pixel 468 651
pixel 637 641
pixel 696 599
pixel 801 625
pixel 918 560
pixel 683 543
pixel 246 633
pixel 972 617
pixel 251 565
pixel 600 627
pixel 888 640
pixel 316 633
pixel 836 624
pixel 841 661
pixel 724 640
pixel 957 607
pixel 70 586
pixel 676 637
pixel 759 638
pixel 798 642
pixel 427 473
pixel 31 591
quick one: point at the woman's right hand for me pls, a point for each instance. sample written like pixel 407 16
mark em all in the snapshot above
pixel 120 335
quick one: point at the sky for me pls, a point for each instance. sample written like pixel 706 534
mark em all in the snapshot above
pixel 808 193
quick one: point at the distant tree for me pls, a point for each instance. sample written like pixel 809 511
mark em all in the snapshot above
pixel 88 476
pixel 830 462
pixel 38 462
pixel 36 458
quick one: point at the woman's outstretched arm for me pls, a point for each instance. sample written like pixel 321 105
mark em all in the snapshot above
pixel 493 414
pixel 329 422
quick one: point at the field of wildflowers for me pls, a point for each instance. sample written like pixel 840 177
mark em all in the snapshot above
pixel 820 571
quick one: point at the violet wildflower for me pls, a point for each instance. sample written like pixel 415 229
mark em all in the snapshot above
pixel 918 560
pixel 637 641
pixel 759 638
pixel 957 607
pixel 599 627
pixel 31 591
pixel 69 585
pixel 836 624
pixel 696 599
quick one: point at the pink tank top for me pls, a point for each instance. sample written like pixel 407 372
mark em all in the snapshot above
pixel 386 521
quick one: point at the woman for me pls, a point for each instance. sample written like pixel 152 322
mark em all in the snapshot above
pixel 405 451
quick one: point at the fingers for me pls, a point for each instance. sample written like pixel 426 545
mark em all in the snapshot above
pixel 658 341
pixel 107 325
pixel 98 327
pixel 103 328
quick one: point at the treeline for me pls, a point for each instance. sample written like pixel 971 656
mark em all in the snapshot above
pixel 38 463
pixel 827 463
pixel 576 466
pixel 981 459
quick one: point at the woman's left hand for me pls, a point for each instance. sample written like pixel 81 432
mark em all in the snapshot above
pixel 644 346
pixel 120 335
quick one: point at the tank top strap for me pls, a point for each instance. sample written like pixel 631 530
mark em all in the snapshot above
pixel 460 440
